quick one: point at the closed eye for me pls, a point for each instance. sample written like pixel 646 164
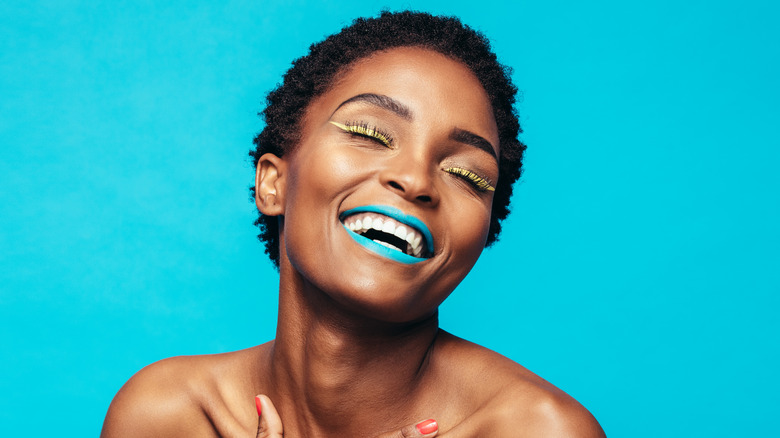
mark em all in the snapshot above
pixel 365 130
pixel 480 183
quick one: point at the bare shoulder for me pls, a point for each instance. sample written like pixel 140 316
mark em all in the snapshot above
pixel 529 410
pixel 511 401
pixel 180 396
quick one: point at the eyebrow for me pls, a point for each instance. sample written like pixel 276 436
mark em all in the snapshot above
pixel 471 139
pixel 381 101
pixel 390 104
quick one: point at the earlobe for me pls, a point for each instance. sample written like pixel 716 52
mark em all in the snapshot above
pixel 269 185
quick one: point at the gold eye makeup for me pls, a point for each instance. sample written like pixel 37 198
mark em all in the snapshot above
pixel 366 130
pixel 477 181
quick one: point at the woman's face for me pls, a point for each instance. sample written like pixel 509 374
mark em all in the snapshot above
pixel 406 138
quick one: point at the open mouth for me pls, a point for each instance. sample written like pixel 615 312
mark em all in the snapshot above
pixel 389 232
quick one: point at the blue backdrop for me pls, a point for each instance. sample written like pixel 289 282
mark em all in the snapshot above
pixel 639 271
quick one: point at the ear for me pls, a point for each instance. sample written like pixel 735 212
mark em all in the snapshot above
pixel 269 185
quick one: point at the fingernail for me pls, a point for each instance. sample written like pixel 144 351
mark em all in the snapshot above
pixel 259 407
pixel 427 426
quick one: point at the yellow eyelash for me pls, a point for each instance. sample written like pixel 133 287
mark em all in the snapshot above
pixel 478 181
pixel 366 130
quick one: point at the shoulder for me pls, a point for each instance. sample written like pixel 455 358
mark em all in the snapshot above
pixel 160 400
pixel 173 397
pixel 511 401
pixel 529 410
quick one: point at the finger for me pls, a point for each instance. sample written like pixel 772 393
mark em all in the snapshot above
pixel 269 424
pixel 427 429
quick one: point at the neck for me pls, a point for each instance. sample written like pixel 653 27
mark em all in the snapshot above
pixel 330 367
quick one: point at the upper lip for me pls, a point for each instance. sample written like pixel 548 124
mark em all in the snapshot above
pixel 398 215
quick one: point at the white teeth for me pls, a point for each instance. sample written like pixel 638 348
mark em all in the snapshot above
pixel 388 227
pixel 362 222
pixel 385 244
pixel 417 240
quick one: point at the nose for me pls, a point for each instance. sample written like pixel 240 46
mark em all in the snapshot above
pixel 411 178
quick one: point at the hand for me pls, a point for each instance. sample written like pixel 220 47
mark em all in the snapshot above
pixel 270 425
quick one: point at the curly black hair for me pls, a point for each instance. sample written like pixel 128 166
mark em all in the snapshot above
pixel 313 74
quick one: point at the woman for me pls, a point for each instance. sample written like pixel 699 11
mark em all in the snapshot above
pixel 385 168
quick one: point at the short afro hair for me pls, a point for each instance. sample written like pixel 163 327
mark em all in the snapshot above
pixel 312 75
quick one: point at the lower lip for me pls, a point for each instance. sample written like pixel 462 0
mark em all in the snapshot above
pixel 383 251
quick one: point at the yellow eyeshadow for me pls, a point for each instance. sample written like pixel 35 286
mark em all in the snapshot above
pixel 365 130
pixel 478 181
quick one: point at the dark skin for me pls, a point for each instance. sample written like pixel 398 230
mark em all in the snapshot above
pixel 358 351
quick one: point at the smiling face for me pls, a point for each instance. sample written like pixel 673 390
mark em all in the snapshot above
pixel 405 139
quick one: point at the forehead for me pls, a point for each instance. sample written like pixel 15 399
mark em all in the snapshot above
pixel 437 89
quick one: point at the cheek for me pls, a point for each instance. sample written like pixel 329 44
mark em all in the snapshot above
pixel 324 175
pixel 469 233
pixel 473 225
pixel 318 181
pixel 471 230
pixel 346 168
pixel 313 180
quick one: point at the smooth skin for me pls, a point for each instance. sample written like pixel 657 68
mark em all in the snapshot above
pixel 358 351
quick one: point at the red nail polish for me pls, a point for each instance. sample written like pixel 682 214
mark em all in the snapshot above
pixel 427 426
pixel 259 406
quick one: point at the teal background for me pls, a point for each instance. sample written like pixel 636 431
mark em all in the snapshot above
pixel 639 270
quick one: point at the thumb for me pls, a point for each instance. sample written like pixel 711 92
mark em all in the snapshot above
pixel 423 429
pixel 269 424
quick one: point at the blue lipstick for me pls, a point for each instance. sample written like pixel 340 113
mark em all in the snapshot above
pixel 399 216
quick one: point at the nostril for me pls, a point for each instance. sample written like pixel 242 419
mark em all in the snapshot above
pixel 413 189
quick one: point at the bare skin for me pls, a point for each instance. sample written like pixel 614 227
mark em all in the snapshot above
pixel 358 351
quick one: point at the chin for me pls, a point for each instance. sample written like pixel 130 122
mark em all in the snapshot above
pixel 390 299
pixel 374 287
